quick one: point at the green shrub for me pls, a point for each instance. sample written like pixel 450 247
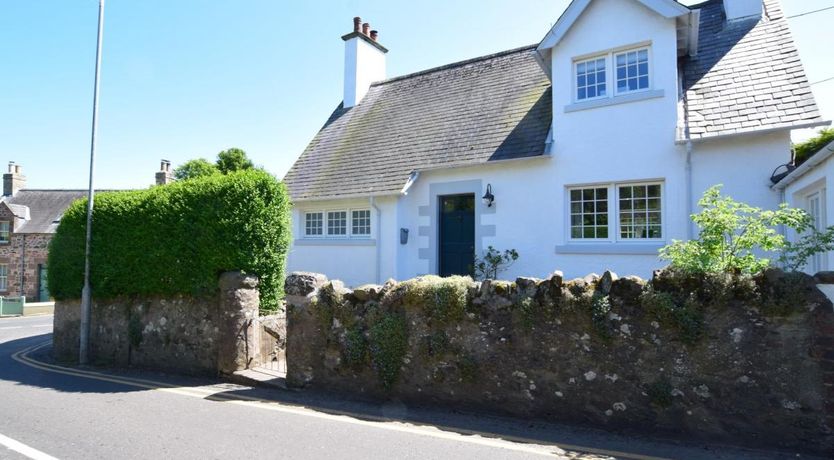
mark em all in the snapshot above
pixel 356 348
pixel 442 299
pixel 176 239
pixel 388 345
pixel 731 234
pixel 805 150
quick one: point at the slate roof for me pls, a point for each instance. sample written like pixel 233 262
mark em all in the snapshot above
pixel 45 207
pixel 495 107
pixel 747 75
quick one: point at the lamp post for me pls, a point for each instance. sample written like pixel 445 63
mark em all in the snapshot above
pixel 86 294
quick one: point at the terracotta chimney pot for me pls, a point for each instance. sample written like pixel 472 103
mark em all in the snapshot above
pixel 357 24
pixel 366 28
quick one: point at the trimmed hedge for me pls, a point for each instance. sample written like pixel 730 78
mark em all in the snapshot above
pixel 177 239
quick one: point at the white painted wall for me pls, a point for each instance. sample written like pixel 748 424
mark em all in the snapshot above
pixel 619 142
pixel 364 64
pixel 815 180
pixel 741 9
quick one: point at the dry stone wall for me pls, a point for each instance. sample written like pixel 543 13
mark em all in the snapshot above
pixel 182 334
pixel 719 357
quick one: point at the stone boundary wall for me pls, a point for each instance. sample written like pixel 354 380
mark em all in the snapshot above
pixel 720 358
pixel 222 334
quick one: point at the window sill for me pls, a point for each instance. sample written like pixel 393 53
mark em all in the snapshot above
pixel 334 242
pixel 616 100
pixel 611 248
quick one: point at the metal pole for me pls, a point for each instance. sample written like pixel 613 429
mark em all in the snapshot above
pixel 86 295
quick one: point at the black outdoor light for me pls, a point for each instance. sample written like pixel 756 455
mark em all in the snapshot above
pixel 488 196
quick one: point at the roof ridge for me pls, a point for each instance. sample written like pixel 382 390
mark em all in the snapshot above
pixel 455 64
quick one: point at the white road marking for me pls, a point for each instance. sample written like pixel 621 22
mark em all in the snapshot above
pixel 23 449
pixel 11 327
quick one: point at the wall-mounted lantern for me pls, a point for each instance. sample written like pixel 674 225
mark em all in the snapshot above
pixel 403 236
pixel 488 196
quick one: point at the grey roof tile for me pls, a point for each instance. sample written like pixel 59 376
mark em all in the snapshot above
pixel 45 207
pixel 749 65
pixel 496 107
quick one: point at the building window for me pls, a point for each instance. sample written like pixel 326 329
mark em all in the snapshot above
pixel 640 211
pixel 5 232
pixel 4 277
pixel 632 70
pixel 337 223
pixel 314 224
pixel 589 213
pixel 361 222
pixel 638 214
pixel 591 81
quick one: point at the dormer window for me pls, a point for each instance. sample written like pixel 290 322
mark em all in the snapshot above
pixel 632 70
pixel 612 77
pixel 591 81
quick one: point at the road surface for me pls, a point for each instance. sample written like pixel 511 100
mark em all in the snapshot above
pixel 49 411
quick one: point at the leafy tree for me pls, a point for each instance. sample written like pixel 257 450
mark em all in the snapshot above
pixel 796 254
pixel 493 262
pixel 809 148
pixel 731 234
pixel 192 169
pixel 233 159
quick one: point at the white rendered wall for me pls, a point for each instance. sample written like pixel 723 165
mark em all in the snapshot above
pixel 364 64
pixel 816 179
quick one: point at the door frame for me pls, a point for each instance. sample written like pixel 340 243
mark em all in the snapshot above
pixel 820 258
pixel 429 249
pixel 440 224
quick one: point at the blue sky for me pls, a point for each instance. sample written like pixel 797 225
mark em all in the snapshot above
pixel 187 78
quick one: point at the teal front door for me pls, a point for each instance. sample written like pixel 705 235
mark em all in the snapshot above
pixel 43 289
pixel 457 234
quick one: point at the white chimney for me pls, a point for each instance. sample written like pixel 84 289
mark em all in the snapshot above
pixel 742 9
pixel 364 62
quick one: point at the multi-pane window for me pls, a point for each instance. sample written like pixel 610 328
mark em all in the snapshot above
pixel 589 213
pixel 4 277
pixel 4 231
pixel 590 79
pixel 337 223
pixel 640 211
pixel 632 70
pixel 360 222
pixel 314 224
pixel 616 212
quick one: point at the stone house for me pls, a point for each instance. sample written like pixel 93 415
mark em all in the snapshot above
pixel 28 219
pixel 588 150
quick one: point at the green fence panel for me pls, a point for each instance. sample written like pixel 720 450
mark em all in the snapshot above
pixel 11 305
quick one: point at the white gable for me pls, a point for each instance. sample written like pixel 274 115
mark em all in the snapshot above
pixel 688 20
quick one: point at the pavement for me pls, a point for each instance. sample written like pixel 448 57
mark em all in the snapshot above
pixel 48 411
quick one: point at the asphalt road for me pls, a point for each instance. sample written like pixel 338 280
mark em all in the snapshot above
pixel 47 411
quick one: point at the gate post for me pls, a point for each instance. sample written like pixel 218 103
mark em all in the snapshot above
pixel 239 340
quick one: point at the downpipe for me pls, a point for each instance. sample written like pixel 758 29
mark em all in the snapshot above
pixel 378 213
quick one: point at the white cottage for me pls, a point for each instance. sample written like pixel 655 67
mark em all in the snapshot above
pixel 806 187
pixel 592 146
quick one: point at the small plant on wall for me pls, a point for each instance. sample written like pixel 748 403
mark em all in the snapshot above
pixel 732 236
pixel 492 263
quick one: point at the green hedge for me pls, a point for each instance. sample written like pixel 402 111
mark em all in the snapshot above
pixel 177 238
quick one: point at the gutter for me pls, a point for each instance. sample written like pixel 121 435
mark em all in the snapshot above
pixel 824 154
pixel 378 261
pixel 777 129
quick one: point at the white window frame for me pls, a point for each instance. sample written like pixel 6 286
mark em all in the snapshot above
pixel 570 211
pixel 605 60
pixel 327 224
pixel 370 227
pixel 4 277
pixel 614 55
pixel 7 232
pixel 325 213
pixel 614 213
pixel 611 72
pixel 304 224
